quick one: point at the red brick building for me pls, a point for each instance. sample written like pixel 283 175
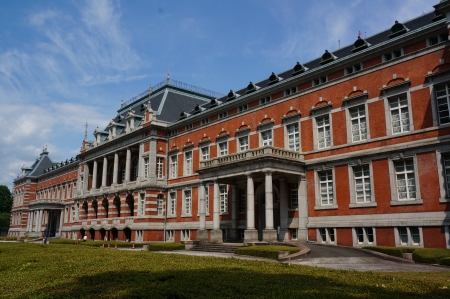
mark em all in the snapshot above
pixel 352 148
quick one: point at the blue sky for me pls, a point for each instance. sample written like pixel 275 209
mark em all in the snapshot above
pixel 63 63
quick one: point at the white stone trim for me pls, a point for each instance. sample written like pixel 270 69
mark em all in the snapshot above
pixel 318 204
pixel 393 182
pixel 351 176
pixel 410 243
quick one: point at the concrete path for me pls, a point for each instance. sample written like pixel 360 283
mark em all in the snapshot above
pixel 335 258
pixel 353 259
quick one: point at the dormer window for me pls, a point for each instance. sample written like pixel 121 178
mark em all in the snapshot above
pixel 273 79
pixel 298 69
pixel 183 115
pixel 397 30
pixel 359 44
pixel 213 103
pixel 251 87
pixel 197 109
pixel 327 57
pixel 231 95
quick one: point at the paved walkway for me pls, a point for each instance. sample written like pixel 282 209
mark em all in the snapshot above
pixel 335 258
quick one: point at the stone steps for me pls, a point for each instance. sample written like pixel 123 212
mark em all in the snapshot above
pixel 225 248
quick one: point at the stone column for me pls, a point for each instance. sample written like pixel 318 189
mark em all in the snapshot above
pixel 302 209
pixel 284 236
pixel 216 233
pixel 234 213
pixel 116 168
pixel 30 221
pixel 60 223
pixel 94 175
pixel 140 163
pixel 152 162
pixel 202 234
pixel 39 222
pixel 127 165
pixel 86 177
pixel 269 233
pixel 250 234
pixel 105 171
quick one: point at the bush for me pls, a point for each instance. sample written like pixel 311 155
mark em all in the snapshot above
pixel 158 246
pixel 393 251
pixel 445 261
pixel 430 255
pixel 266 251
pixel 4 238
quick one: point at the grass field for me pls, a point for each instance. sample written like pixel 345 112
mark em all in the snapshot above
pixel 62 271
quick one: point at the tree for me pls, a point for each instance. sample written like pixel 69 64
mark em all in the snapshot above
pixel 5 199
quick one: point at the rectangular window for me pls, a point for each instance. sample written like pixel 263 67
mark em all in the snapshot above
pixel 170 235
pixel 362 183
pixel 294 235
pixel 142 204
pixel 173 166
pixel 359 125
pixel 207 199
pixel 320 80
pixel 146 167
pixel 327 235
pixel 323 132
pixel 159 167
pixel 185 235
pixel 204 153
pixel 360 235
pixel 173 203
pixel 290 91
pixel 189 127
pixel 205 121
pixel 294 195
pixel 266 137
pixel 173 132
pixel 293 137
pixel 264 100
pixel 223 198
pixel 409 236
pixel 187 202
pixel 188 162
pixel 406 182
pixel 223 148
pixel 399 114
pixel 159 205
pixel 352 69
pixel 223 114
pixel 392 55
pixel 243 201
pixel 446 159
pixel 243 143
pixel 242 108
pixel 443 103
pixel 326 187
pixel 364 235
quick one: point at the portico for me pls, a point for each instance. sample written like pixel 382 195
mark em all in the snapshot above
pixel 268 169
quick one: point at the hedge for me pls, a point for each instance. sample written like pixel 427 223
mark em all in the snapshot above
pixel 157 246
pixel 393 251
pixel 266 251
pixel 4 238
pixel 430 255
pixel 445 261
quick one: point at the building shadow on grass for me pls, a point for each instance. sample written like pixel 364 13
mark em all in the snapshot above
pixel 225 283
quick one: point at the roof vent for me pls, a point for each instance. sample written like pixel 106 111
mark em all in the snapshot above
pixel 143 106
pixel 119 118
pixel 183 115
pixel 273 79
pixel 298 69
pixel 197 109
pixel 231 95
pixel 327 57
pixel 251 87
pixel 397 29
pixel 214 103
pixel 359 45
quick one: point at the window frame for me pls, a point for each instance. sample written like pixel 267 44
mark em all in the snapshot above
pixel 293 187
pixel 174 166
pixel 394 187
pixel 329 231
pixel 220 151
pixel 436 102
pixel 350 123
pixel 240 145
pixel 222 114
pixel 204 121
pixel 202 154
pixel 242 108
pixel 357 67
pixel 160 205
pixel 173 203
pixel 288 134
pixel 223 199
pixel 159 167
pixel 393 55
pixel 188 162
pixel 319 205
pixel 187 203
pixel 267 142
pixel 265 100
pixel 409 235
pixel 352 183
pixel 444 176
pixel 317 133
pixel 365 236
pixel 320 80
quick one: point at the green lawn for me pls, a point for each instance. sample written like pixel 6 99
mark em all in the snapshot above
pixel 62 271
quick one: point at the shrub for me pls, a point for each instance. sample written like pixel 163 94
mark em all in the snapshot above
pixel 4 238
pixel 430 255
pixel 165 246
pixel 445 261
pixel 266 251
pixel 158 246
pixel 393 251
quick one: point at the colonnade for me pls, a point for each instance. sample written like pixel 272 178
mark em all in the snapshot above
pixel 37 218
